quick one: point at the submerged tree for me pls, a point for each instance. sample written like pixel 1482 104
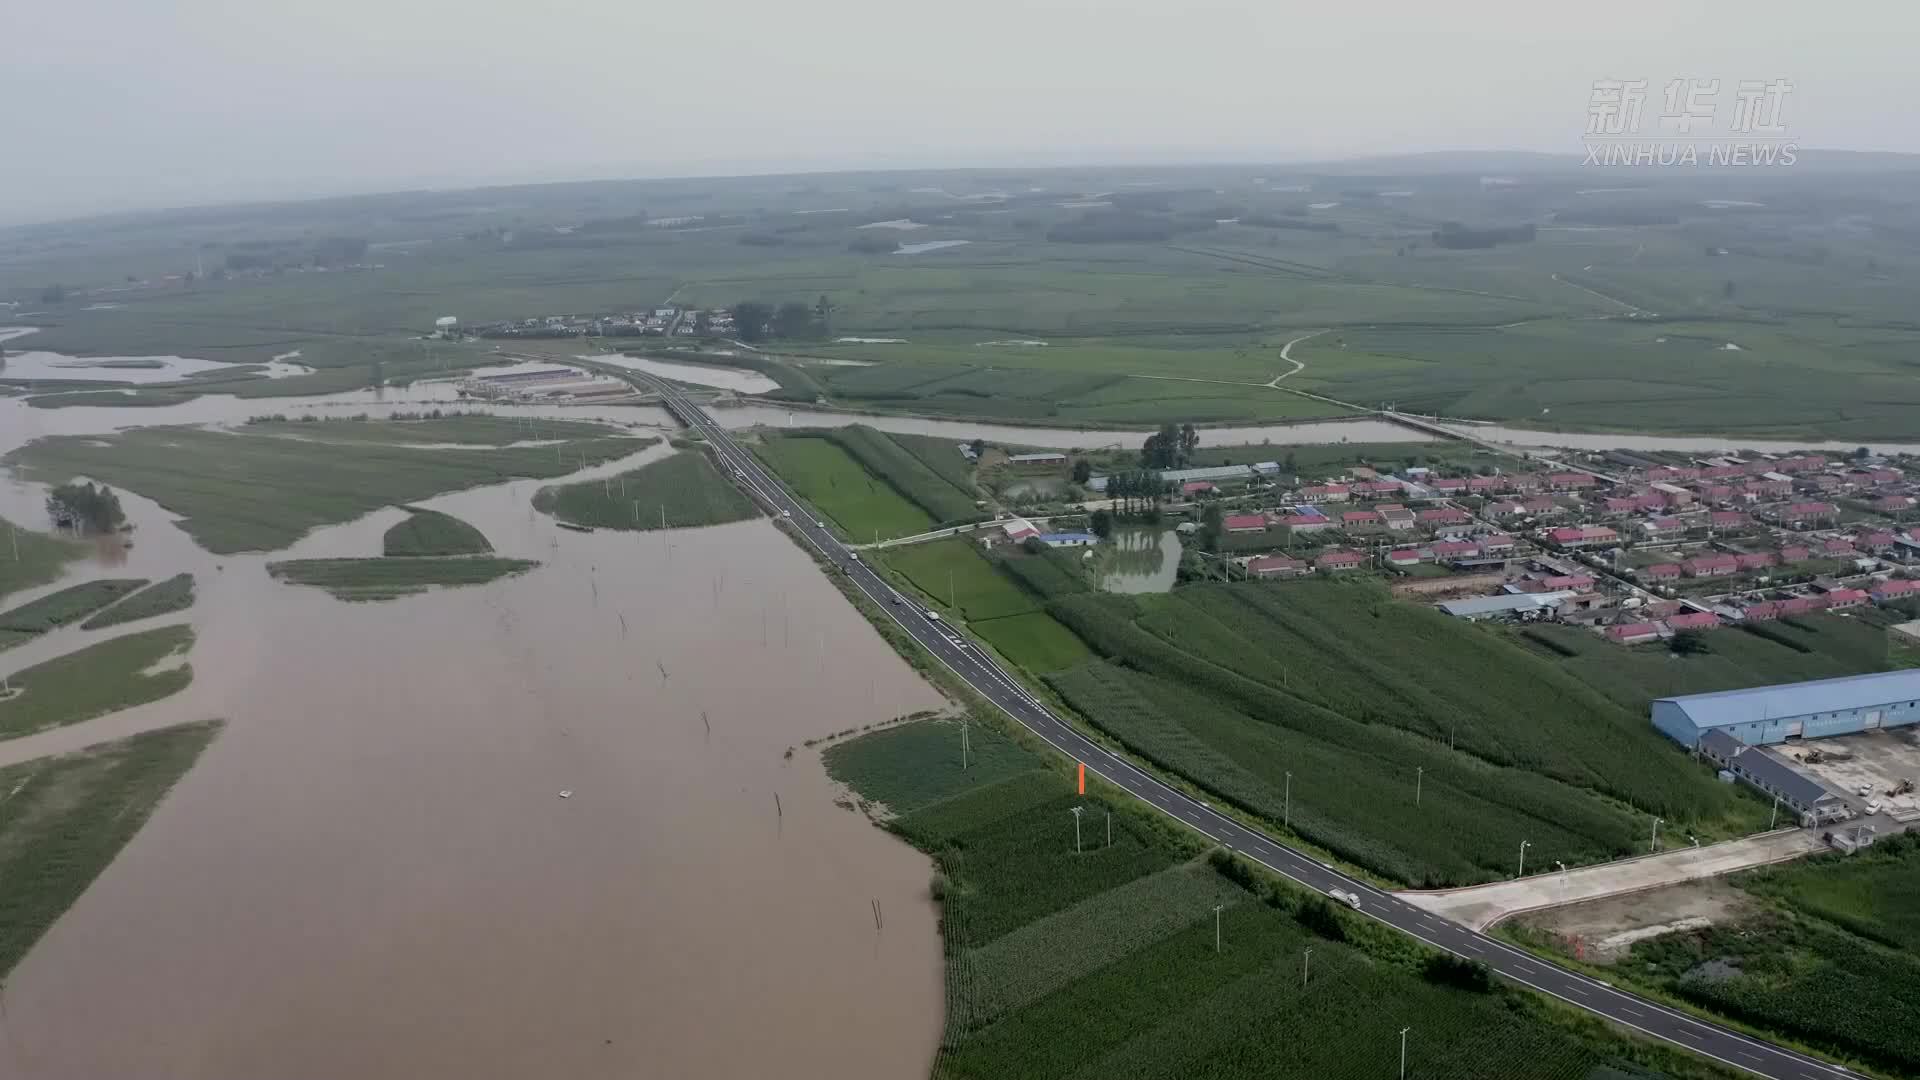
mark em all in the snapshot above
pixel 86 507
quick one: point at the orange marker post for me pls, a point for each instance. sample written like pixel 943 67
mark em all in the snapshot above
pixel 1083 778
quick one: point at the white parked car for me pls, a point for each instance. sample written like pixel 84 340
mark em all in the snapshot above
pixel 1873 807
pixel 1352 900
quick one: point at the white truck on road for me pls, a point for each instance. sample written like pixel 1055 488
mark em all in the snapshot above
pixel 1352 900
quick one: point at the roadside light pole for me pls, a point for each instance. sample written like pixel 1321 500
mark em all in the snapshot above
pixel 1286 813
pixel 1076 812
pixel 1306 958
pixel 1654 843
pixel 1775 822
pixel 1217 909
pixel 1403 1052
pixel 1524 844
pixel 1419 776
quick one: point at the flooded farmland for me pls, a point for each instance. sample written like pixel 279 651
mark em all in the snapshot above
pixel 371 873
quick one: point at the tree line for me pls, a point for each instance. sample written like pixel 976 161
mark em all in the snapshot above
pixel 754 320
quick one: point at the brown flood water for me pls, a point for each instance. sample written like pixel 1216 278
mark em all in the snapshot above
pixel 371 873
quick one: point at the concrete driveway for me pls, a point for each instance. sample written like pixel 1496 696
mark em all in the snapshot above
pixel 1481 906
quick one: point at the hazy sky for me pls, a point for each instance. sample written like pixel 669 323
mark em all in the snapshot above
pixel 108 104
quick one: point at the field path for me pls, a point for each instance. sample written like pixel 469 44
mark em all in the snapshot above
pixel 1603 296
pixel 1286 353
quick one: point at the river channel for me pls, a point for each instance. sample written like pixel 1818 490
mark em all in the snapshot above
pixel 371 872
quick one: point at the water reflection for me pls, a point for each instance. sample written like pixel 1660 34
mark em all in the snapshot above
pixel 1138 560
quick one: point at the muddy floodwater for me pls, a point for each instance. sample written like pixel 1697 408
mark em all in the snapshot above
pixel 372 873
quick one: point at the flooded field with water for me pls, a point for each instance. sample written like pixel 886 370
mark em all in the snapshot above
pixel 371 873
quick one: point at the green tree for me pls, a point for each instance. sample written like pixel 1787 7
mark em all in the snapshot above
pixel 823 314
pixel 1212 523
pixel 1082 471
pixel 1189 442
pixel 1100 523
pixel 793 320
pixel 751 319
pixel 85 506
pixel 1689 643
pixel 979 446
pixel 53 294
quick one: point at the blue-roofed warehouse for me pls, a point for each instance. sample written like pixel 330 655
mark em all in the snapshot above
pixel 1810 710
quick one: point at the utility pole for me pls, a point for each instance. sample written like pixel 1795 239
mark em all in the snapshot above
pixel 1419 775
pixel 1306 958
pixel 1217 909
pixel 1775 822
pixel 1286 819
pixel 963 746
pixel 1655 841
pixel 950 602
pixel 1524 844
pixel 1109 828
pixel 1403 1052
pixel 1076 812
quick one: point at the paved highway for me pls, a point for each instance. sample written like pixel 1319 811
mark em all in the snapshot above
pixel 991 682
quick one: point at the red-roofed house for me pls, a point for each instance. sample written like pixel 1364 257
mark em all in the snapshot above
pixel 1793 553
pixel 1565 583
pixel 1409 556
pixel 1482 485
pixel 1893 504
pixel 1661 571
pixel 1766 489
pixel 1775 609
pixel 1360 519
pixel 1632 633
pixel 1340 560
pixel 1277 566
pixel 1894 589
pixel 1569 481
pixel 1620 504
pixel 1317 493
pixel 1886 476
pixel 1579 536
pixel 1444 515
pixel 1754 560
pixel 1540 504
pixel 1721 472
pixel 1449 485
pixel 1196 487
pixel 1378 487
pixel 1718 494
pixel 1506 509
pixel 1663 527
pixel 1693 620
pixel 1710 565
pixel 1876 541
pixel 1305 523
pixel 1846 598
pixel 1244 523
pixel 1496 542
pixel 1837 548
pixel 1725 520
pixel 1669 473
pixel 1454 549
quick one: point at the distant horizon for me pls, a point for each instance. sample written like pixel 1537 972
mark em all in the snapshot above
pixel 1143 159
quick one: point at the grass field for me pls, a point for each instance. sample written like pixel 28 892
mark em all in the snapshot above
pixel 1104 963
pixel 954 573
pixel 863 506
pixel 677 492
pixel 101 678
pixel 253 492
pixel 70 604
pixel 901 470
pixel 1359 696
pixel 1810 647
pixel 430 532
pixel 64 818
pixel 392 578
pixel 1033 640
pixel 161 598
pixel 472 429
pixel 40 558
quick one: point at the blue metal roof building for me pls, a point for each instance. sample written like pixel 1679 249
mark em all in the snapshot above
pixel 1772 714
